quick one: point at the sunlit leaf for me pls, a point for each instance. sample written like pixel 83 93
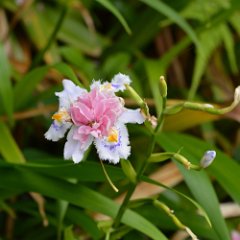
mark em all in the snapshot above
pixel 8 147
pixel 187 119
pixel 67 71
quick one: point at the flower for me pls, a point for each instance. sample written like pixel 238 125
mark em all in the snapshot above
pixel 61 119
pixel 97 116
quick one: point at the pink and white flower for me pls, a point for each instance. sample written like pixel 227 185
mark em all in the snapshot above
pixel 61 119
pixel 97 116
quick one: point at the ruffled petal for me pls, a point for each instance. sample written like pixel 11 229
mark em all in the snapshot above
pixel 132 116
pixel 57 130
pixel 119 81
pixel 70 94
pixel 114 151
pixel 95 84
pixel 74 149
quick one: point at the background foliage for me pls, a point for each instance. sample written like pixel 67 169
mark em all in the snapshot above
pixel 195 44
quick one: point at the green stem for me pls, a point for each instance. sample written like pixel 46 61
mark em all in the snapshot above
pixel 124 205
pixel 52 37
pixel 161 118
pixel 152 143
pixel 141 170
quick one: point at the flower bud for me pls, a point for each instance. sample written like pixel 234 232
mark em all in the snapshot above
pixel 135 95
pixel 207 158
pixel 128 170
pixel 237 95
pixel 163 87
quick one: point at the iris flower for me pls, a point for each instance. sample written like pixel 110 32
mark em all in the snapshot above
pixel 98 116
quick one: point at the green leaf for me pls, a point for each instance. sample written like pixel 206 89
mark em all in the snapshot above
pixel 8 147
pixel 67 71
pixel 224 169
pixel 198 182
pixel 87 171
pixel 6 93
pixel 76 194
pixel 77 35
pixel 24 88
pixel 174 16
pixel 154 71
pixel 28 83
pixel 5 207
pixel 83 65
pixel 228 40
pixel 62 209
pixel 68 234
pixel 211 39
pixel 186 119
pixel 77 216
pixel 149 180
pixel 107 4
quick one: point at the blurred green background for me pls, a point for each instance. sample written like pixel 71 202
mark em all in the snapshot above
pixel 194 44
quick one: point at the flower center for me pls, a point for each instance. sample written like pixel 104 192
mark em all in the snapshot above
pixel 62 116
pixel 113 135
pixel 92 124
pixel 106 87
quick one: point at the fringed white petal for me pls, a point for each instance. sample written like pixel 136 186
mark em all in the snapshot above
pixel 70 94
pixel 132 116
pixel 57 130
pixel 114 151
pixel 119 81
pixel 73 149
pixel 95 84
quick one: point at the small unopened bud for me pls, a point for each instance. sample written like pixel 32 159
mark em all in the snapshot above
pixel 237 95
pixel 135 95
pixel 152 120
pixel 128 170
pixel 163 86
pixel 207 158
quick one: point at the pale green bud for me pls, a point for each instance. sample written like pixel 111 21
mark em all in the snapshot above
pixel 163 87
pixel 129 170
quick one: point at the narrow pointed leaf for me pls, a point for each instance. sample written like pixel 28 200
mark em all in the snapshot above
pixel 6 93
pixel 198 182
pixel 67 71
pixel 174 16
pixel 152 181
pixel 8 147
pixel 75 194
pixel 107 4
pixel 23 90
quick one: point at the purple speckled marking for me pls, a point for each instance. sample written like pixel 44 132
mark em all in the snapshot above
pixel 113 147
pixel 115 85
pixel 56 127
